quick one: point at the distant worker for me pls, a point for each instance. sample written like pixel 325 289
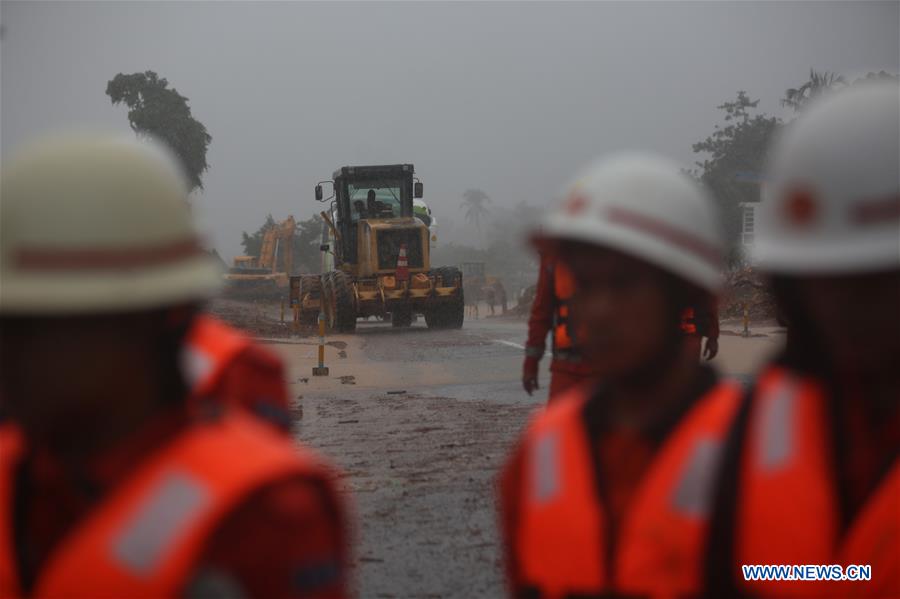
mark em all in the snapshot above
pixel 812 471
pixel 360 207
pixel 110 485
pixel 550 312
pixel 490 296
pixel 501 295
pixel 422 212
pixel 607 494
pixel 698 323
pixel 224 365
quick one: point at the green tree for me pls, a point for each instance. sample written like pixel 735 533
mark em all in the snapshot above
pixel 818 82
pixel 474 202
pixel 253 243
pixel 307 256
pixel 155 109
pixel 737 145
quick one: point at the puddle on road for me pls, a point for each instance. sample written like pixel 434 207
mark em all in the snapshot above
pixel 505 392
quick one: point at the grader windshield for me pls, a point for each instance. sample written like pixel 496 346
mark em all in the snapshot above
pixel 385 193
pixel 370 193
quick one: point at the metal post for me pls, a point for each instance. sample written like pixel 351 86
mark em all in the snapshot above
pixel 746 332
pixel 321 369
pixel 282 311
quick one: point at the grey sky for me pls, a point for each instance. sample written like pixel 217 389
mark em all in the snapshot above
pixel 509 97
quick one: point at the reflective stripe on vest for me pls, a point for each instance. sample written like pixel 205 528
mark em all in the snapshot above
pixel 688 322
pixel 145 537
pixel 559 547
pixel 563 290
pixel 788 510
pixel 210 347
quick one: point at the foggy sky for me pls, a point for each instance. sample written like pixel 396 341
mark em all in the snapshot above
pixel 512 98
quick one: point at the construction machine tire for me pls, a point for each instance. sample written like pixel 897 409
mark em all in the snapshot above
pixel 401 317
pixel 312 285
pixel 340 312
pixel 451 313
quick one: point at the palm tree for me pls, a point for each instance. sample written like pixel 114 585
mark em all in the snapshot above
pixel 818 83
pixel 474 201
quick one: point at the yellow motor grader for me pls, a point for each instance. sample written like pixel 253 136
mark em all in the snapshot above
pixel 369 221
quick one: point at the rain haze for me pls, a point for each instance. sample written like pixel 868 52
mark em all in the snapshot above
pixel 602 419
pixel 511 98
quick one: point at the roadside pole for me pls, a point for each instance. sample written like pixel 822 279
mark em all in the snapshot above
pixel 746 332
pixel 321 369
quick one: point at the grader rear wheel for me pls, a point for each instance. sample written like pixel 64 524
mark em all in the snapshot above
pixel 450 313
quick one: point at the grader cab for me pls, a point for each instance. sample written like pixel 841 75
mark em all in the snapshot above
pixel 377 256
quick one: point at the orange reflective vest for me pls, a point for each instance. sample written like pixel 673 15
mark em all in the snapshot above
pixel 788 509
pixel 688 322
pixel 563 290
pixel 212 350
pixel 559 541
pixel 211 346
pixel 145 537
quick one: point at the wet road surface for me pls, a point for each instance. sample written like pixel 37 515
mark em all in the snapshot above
pixel 420 422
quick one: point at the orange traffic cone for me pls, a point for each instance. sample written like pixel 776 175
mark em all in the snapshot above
pixel 402 265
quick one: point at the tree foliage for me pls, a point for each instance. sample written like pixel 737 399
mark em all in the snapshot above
pixel 740 142
pixel 738 145
pixel 879 75
pixel 818 83
pixel 475 204
pixel 155 109
pixel 307 241
pixel 253 243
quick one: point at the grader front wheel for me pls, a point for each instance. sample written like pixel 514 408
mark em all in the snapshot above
pixel 340 307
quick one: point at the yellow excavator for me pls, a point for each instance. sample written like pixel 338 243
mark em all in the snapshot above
pixel 266 275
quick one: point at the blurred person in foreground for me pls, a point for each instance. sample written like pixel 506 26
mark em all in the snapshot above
pixel 811 473
pixel 110 485
pixel 551 312
pixel 607 493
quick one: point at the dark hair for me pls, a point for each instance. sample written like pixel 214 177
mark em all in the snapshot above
pixel 174 324
pixel 804 349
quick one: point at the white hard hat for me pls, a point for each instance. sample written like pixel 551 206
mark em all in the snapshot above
pixel 642 205
pixel 832 199
pixel 95 225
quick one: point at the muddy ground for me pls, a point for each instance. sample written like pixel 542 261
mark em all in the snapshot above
pixel 420 422
pixel 420 470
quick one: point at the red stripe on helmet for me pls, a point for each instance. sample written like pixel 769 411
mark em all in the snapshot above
pixel 105 258
pixel 877 211
pixel 662 230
